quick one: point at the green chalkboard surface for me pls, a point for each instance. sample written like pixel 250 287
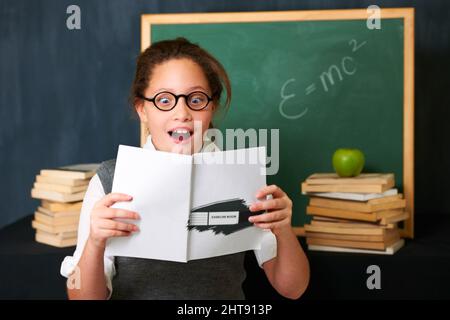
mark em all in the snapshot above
pixel 324 84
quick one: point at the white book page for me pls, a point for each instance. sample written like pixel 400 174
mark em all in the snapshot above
pixel 214 183
pixel 160 185
pixel 353 196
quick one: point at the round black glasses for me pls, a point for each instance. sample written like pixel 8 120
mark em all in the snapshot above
pixel 166 101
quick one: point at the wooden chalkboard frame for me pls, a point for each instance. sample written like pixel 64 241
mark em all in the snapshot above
pixel 407 14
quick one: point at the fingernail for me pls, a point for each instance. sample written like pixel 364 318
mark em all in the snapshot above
pixel 136 228
pixel 251 219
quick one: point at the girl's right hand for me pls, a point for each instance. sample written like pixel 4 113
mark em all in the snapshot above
pixel 103 223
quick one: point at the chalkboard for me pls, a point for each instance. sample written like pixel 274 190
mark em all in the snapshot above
pixel 324 79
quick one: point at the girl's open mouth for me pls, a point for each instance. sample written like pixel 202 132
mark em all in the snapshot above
pixel 180 135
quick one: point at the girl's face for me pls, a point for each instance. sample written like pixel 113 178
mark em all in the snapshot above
pixel 178 76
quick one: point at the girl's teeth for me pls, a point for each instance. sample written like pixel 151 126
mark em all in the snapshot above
pixel 181 135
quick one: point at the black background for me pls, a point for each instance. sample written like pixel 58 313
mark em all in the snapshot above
pixel 63 93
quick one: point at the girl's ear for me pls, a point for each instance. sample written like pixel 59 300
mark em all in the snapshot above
pixel 212 107
pixel 139 106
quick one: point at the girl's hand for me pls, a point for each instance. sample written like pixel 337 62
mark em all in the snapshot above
pixel 278 217
pixel 103 223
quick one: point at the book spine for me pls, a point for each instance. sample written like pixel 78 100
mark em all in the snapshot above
pixel 189 208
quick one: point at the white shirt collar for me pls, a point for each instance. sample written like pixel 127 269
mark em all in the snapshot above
pixel 150 146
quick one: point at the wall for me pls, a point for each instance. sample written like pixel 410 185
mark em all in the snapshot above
pixel 63 93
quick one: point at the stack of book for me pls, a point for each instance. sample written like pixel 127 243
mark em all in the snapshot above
pixel 358 214
pixel 61 191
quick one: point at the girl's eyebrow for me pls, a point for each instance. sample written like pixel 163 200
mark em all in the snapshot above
pixel 196 88
pixel 188 89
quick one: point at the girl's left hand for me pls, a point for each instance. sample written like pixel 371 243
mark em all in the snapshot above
pixel 278 217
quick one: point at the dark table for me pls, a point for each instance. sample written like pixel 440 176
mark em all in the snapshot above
pixel 29 270
pixel 420 270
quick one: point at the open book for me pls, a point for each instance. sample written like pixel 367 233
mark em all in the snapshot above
pixel 191 206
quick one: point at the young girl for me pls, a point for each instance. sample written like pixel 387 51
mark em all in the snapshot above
pixel 176 84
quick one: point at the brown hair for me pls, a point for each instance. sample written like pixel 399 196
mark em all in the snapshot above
pixel 178 48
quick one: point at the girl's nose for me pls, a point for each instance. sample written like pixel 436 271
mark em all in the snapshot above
pixel 182 111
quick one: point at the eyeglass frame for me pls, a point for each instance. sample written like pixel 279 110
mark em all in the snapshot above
pixel 177 97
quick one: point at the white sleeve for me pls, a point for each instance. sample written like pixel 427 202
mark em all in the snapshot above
pixel 93 194
pixel 268 249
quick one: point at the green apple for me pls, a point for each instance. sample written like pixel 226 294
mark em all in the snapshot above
pixel 348 162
